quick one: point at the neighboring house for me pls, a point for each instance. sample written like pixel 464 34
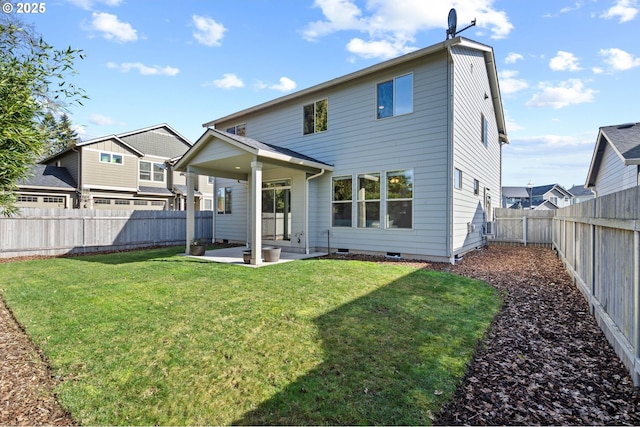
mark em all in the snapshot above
pixel 542 197
pixel 616 159
pixel 515 197
pixel 581 194
pixel 47 186
pixel 402 158
pixel 131 170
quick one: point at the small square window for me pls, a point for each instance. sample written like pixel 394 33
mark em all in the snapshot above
pixel 476 187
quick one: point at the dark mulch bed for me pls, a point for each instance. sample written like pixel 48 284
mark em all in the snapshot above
pixel 544 361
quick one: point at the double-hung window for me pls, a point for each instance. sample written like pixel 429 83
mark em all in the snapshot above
pixel 395 96
pixel 315 116
pixel 224 200
pixel 150 171
pixel 342 200
pixel 369 200
pixel 400 199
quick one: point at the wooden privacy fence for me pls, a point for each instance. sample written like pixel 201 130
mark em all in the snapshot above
pixel 75 231
pixel 599 243
pixel 523 226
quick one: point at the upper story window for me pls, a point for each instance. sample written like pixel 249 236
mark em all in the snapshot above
pixel 484 130
pixel 111 158
pixel 315 116
pixel 457 178
pixel 240 130
pixel 150 171
pixel 395 96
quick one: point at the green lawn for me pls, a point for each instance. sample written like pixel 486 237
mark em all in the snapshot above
pixel 151 337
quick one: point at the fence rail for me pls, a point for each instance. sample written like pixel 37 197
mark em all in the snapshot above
pixel 75 231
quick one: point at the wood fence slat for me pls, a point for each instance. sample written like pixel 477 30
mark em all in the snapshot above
pixel 66 231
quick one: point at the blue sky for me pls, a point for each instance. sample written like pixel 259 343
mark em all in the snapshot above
pixel 566 68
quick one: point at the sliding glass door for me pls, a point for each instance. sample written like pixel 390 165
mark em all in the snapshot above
pixel 276 210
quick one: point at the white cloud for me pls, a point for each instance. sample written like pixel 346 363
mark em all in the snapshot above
pixel 391 26
pixel 619 60
pixel 101 120
pixel 509 83
pixel 285 84
pixel 228 81
pixel 564 61
pixel 566 93
pixel 208 32
pixel 377 49
pixel 145 70
pixel 112 28
pixel 625 10
pixel 88 4
pixel 512 58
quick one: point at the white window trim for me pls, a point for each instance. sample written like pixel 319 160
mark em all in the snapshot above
pixel 111 154
pixel 358 200
pixel 386 200
pixel 331 201
pixel 314 116
pixel 393 79
pixel 164 171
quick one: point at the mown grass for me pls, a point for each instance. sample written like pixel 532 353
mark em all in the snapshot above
pixel 151 337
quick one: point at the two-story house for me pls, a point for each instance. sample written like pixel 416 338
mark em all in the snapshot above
pixel 402 158
pixel 131 170
pixel 615 164
pixel 541 197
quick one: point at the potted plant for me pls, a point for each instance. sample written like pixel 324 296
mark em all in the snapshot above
pixel 246 256
pixel 198 247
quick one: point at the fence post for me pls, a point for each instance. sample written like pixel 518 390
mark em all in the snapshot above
pixel 636 303
pixel 524 230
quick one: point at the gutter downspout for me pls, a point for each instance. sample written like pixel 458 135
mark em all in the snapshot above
pixel 450 142
pixel 306 207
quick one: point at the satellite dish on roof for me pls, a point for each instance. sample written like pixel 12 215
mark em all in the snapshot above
pixel 452 23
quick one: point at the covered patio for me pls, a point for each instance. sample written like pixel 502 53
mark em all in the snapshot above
pixel 224 155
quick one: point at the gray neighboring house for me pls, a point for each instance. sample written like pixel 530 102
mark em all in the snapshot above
pixel 581 194
pixel 542 197
pixel 402 158
pixel 47 186
pixel 515 197
pixel 615 163
pixel 129 171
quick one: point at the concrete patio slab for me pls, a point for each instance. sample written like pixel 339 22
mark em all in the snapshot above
pixel 234 256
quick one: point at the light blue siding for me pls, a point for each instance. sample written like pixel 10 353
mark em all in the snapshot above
pixel 356 142
pixel 470 155
pixel 613 175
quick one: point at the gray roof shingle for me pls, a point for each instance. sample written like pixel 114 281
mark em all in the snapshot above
pixel 626 139
pixel 48 176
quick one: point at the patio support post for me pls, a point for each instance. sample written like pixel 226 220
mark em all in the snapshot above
pixel 191 185
pixel 256 212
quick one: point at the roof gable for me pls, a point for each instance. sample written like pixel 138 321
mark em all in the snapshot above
pixel 624 139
